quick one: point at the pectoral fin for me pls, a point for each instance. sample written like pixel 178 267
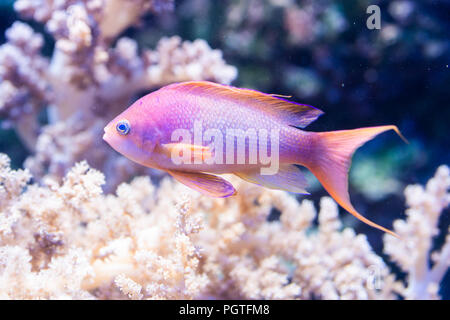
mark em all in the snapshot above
pixel 288 178
pixel 206 184
pixel 194 152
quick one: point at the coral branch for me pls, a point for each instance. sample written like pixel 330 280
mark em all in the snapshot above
pixel 412 252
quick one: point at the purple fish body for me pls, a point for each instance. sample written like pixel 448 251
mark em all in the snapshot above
pixel 195 130
pixel 170 111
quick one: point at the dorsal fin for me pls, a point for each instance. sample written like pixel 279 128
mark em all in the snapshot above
pixel 294 114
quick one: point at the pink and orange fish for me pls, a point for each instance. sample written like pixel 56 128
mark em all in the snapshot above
pixel 145 134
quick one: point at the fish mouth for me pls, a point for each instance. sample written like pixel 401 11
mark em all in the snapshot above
pixel 105 135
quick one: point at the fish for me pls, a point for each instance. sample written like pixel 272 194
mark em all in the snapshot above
pixel 198 130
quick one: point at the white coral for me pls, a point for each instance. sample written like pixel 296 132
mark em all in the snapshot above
pixel 148 243
pixel 413 250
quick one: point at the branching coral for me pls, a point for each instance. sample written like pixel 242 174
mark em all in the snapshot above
pixel 412 252
pixel 100 71
pixel 23 86
pixel 172 243
pixel 288 258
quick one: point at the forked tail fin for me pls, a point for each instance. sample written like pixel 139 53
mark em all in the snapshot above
pixel 332 159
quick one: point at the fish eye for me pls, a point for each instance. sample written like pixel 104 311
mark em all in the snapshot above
pixel 123 127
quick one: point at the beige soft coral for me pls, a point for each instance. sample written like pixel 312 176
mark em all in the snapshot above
pixel 172 243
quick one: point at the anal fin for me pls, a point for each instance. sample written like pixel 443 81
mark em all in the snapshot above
pixel 289 178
